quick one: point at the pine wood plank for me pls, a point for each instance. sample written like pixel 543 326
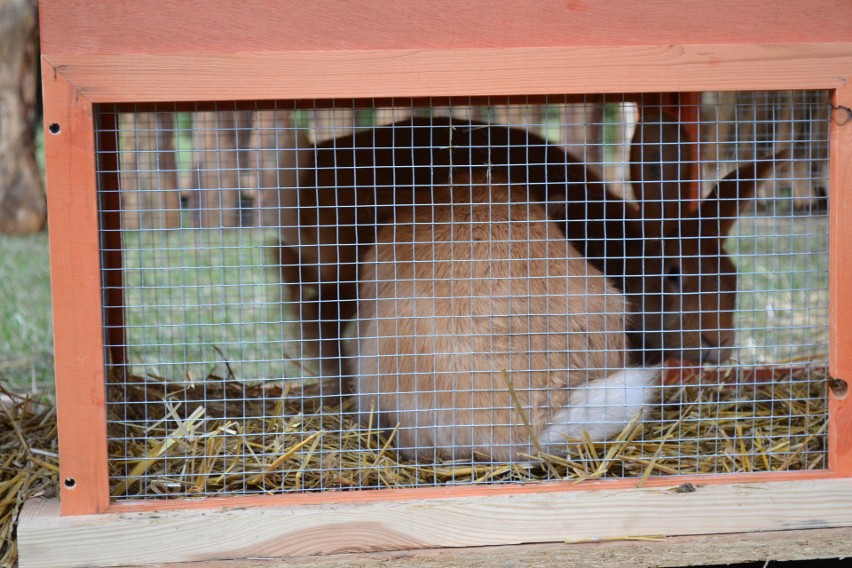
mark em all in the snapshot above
pixel 698 550
pixel 48 540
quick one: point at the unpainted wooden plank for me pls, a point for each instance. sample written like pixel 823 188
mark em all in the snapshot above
pixel 698 550
pixel 47 540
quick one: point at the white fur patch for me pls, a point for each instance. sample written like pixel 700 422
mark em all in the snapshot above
pixel 604 407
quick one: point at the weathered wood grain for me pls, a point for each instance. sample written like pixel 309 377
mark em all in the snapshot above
pixel 48 540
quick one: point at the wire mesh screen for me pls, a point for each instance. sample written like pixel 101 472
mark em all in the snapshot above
pixel 373 296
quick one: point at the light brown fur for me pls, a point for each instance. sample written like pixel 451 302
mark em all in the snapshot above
pixel 456 298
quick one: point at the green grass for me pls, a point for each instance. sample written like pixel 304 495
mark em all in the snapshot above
pixel 26 332
pixel 782 304
pixel 201 302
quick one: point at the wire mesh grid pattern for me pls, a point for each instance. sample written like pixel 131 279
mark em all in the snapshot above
pixel 365 296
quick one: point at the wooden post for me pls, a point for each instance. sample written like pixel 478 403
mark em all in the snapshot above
pixel 150 196
pixel 840 272
pixel 215 189
pixel 279 151
pixel 76 291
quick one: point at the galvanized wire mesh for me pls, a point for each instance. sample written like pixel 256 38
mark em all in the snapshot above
pixel 260 265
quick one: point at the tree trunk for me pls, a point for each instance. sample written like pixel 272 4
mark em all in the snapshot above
pixel 23 208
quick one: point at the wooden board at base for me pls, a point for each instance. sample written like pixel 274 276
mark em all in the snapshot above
pixel 48 540
pixel 700 550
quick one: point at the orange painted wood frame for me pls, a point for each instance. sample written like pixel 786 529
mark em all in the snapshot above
pixel 163 51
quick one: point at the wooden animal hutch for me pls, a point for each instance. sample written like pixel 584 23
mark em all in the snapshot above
pixel 158 462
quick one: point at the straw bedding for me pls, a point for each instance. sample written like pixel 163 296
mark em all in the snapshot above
pixel 28 461
pixel 254 438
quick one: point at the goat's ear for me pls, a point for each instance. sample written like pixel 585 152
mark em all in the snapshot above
pixel 660 165
pixel 720 209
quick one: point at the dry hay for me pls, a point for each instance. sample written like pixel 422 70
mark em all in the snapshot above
pixel 28 461
pixel 272 439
